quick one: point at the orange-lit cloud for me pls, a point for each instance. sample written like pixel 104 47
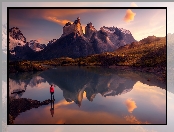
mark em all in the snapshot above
pixel 129 15
pixel 133 4
pixel 75 116
pixel 62 103
pixel 54 19
pixel 58 15
pixel 62 22
pixel 131 105
pixel 63 13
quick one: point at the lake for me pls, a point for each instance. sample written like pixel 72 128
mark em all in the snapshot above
pixel 85 95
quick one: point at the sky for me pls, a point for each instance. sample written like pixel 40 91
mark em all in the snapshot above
pixel 111 128
pixel 47 24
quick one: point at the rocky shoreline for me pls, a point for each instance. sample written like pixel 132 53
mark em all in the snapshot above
pixel 17 106
pixel 25 67
pixel 159 71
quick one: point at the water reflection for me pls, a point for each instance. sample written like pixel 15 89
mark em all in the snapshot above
pixel 52 105
pixel 113 93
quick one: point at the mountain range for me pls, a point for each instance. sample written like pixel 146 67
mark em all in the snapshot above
pixel 72 43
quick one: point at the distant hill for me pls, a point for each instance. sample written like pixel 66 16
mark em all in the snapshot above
pixel 147 54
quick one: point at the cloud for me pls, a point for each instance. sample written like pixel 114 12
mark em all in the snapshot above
pixel 131 105
pixel 58 21
pixel 75 116
pixel 62 103
pixel 62 22
pixel 133 4
pixel 129 16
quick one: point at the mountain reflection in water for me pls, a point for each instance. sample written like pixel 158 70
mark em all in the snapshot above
pixel 101 86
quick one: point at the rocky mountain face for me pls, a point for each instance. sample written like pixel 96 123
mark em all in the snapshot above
pixel 69 46
pixel 73 42
pixel 70 28
pixel 89 30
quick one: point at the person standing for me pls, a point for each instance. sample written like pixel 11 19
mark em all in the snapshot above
pixel 52 91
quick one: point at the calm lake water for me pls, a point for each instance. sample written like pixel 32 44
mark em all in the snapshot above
pixel 91 96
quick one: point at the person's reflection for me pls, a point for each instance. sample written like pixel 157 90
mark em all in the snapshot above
pixel 52 100
pixel 52 106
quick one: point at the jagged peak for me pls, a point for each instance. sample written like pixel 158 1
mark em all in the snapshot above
pixel 16 36
pixel 89 25
pixel 34 41
pixel 73 28
pixel 68 24
pixel 14 29
pixel 52 41
pixel 113 29
pixel 77 21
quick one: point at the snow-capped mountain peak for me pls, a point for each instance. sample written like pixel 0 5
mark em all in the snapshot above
pixel 124 31
pixel 108 29
pixel 35 45
pixel 112 30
